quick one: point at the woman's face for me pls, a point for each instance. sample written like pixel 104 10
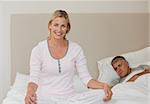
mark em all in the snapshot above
pixel 58 28
pixel 121 67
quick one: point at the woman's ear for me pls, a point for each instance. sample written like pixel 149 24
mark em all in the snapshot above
pixel 49 25
pixel 49 28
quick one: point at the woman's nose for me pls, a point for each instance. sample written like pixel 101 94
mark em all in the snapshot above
pixel 59 28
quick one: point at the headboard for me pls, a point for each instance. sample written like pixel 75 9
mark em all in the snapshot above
pixel 100 34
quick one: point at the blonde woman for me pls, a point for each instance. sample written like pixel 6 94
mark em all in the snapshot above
pixel 53 64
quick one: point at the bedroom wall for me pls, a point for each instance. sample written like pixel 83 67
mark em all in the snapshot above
pixel 4 54
pixel 149 19
pixel 13 7
pixel 1 47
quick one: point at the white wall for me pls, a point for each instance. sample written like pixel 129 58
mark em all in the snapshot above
pixel 4 53
pixel 149 19
pixel 1 46
pixel 8 8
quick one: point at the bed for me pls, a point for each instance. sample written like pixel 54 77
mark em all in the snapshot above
pixel 137 92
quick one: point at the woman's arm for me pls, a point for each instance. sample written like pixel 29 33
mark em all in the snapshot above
pixel 84 75
pixel 35 70
pixel 31 93
pixel 94 84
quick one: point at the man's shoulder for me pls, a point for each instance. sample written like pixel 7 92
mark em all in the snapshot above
pixel 143 66
pixel 140 67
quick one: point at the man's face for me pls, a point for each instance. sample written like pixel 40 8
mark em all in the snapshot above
pixel 121 66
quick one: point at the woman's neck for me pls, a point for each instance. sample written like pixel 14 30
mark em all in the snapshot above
pixel 57 42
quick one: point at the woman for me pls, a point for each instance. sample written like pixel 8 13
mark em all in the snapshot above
pixel 54 62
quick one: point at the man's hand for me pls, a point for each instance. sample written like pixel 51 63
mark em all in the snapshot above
pixel 147 70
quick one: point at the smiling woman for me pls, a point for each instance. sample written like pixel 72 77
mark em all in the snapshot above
pixel 58 27
pixel 47 84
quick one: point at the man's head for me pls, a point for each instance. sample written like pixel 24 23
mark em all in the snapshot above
pixel 121 66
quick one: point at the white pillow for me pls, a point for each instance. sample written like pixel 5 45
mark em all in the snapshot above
pixel 138 57
pixel 108 75
pixel 21 82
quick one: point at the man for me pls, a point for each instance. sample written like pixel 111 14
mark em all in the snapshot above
pixel 121 66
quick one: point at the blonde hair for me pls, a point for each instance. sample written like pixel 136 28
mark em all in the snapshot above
pixel 61 13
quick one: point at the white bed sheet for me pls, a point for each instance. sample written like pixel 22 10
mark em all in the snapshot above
pixel 87 97
pixel 14 97
pixel 124 93
pixel 137 92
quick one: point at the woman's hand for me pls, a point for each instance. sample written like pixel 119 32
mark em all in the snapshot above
pixel 94 84
pixel 108 92
pixel 30 98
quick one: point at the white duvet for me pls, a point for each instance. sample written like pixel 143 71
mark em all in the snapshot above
pixel 124 93
pixel 132 92
pixel 137 92
pixel 88 97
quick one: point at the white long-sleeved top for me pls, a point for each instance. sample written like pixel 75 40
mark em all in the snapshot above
pixel 44 69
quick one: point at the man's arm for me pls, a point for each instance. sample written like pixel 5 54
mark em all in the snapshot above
pixel 133 78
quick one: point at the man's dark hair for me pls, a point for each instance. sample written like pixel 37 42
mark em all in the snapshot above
pixel 117 58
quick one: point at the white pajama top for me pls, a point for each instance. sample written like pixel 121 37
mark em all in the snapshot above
pixel 44 69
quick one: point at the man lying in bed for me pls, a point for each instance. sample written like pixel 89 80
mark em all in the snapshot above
pixel 121 66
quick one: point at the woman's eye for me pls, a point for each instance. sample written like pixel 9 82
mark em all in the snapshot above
pixel 63 26
pixel 55 24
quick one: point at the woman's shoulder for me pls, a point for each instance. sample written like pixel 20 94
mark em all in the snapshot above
pixel 43 42
pixel 74 44
pixel 40 45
